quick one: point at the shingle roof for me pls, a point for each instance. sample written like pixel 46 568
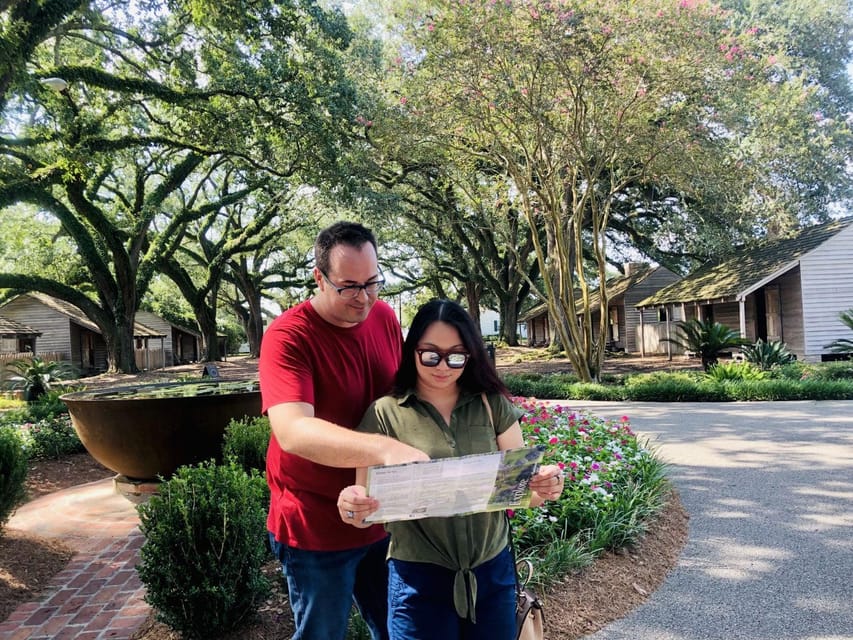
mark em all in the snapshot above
pixel 78 317
pixel 12 329
pixel 616 286
pixel 735 276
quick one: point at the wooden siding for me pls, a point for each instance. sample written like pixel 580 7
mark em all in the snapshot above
pixel 656 281
pixel 827 290
pixel 54 326
pixel 788 289
pixel 160 325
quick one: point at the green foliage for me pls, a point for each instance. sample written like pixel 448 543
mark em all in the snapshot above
pixel 246 442
pixel 13 473
pixel 204 548
pixel 794 381
pixel 843 345
pixel 735 371
pixel 614 485
pixel 791 371
pixel 37 376
pixel 767 354
pixel 46 407
pixel 706 338
pixel 7 404
pixel 51 438
pixel 841 370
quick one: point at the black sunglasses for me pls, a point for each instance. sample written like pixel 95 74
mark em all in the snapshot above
pixel 431 358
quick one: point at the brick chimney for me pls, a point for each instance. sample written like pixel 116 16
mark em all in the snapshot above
pixel 631 268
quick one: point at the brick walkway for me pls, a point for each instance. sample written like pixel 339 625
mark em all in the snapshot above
pixel 98 595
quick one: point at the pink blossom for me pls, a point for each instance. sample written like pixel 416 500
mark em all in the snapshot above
pixel 553 440
pixel 403 100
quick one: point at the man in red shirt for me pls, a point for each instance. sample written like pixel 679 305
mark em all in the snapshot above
pixel 322 363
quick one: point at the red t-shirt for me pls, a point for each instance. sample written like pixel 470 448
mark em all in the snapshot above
pixel 339 371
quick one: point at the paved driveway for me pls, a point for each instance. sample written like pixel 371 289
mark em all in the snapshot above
pixel 769 489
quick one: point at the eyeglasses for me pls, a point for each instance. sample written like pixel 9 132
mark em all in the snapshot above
pixel 431 358
pixel 351 291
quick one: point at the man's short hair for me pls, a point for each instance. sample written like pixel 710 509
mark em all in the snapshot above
pixel 348 233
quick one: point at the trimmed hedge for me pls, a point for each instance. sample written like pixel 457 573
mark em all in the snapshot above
pixel 685 387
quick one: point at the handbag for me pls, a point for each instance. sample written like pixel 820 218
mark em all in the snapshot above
pixel 529 613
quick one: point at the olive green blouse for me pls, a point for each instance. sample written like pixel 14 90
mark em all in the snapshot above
pixel 459 543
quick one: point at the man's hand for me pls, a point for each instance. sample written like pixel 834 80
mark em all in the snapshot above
pixel 398 453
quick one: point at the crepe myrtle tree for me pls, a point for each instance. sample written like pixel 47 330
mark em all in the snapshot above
pixel 584 104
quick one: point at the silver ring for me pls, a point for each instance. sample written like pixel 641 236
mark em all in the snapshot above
pixel 350 515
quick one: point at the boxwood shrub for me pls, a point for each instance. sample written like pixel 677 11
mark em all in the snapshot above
pixel 13 472
pixel 204 549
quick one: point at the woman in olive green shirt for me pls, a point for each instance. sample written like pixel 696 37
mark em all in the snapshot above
pixel 450 577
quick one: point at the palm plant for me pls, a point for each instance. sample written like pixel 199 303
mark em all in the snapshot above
pixel 36 376
pixel 843 345
pixel 767 354
pixel 707 338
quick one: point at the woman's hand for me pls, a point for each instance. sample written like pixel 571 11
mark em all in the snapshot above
pixel 354 505
pixel 548 482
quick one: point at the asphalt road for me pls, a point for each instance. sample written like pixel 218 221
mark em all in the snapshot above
pixel 769 490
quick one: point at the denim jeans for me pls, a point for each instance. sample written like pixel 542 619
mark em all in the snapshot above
pixel 420 601
pixel 322 586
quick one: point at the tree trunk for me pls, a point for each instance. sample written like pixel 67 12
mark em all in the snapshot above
pixel 121 348
pixel 472 297
pixel 209 338
pixel 509 318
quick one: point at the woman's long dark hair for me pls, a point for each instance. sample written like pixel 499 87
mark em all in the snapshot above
pixel 479 374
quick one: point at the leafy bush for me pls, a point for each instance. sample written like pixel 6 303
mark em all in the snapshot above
pixel 36 376
pixel 46 407
pixel 537 387
pixel 51 438
pixel 246 442
pixel 672 387
pixel 791 371
pixel 593 391
pixel 706 338
pixel 204 548
pixel 842 370
pixel 13 473
pixel 843 345
pixel 767 354
pixel 734 371
pixel 733 382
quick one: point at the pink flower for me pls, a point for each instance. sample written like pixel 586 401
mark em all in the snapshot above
pixel 403 100
pixel 553 440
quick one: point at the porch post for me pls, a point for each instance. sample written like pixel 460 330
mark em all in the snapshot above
pixel 642 336
pixel 741 305
pixel 669 311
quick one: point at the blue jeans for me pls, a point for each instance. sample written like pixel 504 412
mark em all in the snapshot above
pixel 322 586
pixel 420 601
